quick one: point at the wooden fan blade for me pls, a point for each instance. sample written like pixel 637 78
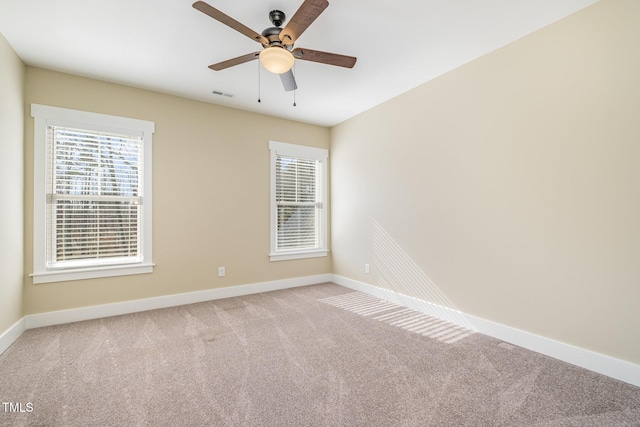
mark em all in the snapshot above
pixel 304 16
pixel 235 61
pixel 324 57
pixel 288 81
pixel 230 22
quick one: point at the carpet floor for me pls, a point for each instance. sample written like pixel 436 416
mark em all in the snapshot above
pixel 318 355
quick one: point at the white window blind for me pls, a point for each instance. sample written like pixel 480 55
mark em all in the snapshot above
pixel 94 197
pixel 299 210
pixel 298 201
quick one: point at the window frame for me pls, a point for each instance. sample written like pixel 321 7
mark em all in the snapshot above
pixel 307 153
pixel 45 116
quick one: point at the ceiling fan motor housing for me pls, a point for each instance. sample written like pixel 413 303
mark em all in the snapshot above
pixel 273 35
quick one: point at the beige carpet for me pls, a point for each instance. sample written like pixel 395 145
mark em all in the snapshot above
pixel 299 357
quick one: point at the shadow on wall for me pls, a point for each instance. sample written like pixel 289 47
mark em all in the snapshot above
pixel 408 284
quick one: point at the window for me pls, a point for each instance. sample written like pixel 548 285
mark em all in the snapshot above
pixel 298 201
pixel 92 195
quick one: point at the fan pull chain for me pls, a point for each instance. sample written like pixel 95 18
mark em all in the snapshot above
pixel 296 86
pixel 259 82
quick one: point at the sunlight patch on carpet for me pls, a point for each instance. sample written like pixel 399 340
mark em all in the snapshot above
pixel 397 315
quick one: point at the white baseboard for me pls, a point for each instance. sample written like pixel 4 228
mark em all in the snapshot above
pixel 134 306
pixel 10 335
pixel 600 363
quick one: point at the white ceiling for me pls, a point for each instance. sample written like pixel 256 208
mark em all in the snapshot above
pixel 166 46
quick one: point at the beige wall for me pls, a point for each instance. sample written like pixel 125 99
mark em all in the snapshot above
pixel 11 188
pixel 510 187
pixel 210 193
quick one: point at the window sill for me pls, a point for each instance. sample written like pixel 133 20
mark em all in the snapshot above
pixel 298 255
pixel 91 273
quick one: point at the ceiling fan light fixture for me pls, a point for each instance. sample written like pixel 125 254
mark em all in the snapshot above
pixel 277 60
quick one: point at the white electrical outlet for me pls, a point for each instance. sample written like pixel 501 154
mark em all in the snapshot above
pixel 221 272
pixel 367 270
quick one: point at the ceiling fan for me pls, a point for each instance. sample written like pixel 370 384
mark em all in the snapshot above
pixel 278 54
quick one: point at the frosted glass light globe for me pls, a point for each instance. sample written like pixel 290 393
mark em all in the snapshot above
pixel 276 59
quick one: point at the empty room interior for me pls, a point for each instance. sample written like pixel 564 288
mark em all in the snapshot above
pixel 462 247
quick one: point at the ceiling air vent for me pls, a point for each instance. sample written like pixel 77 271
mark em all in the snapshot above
pixel 217 92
